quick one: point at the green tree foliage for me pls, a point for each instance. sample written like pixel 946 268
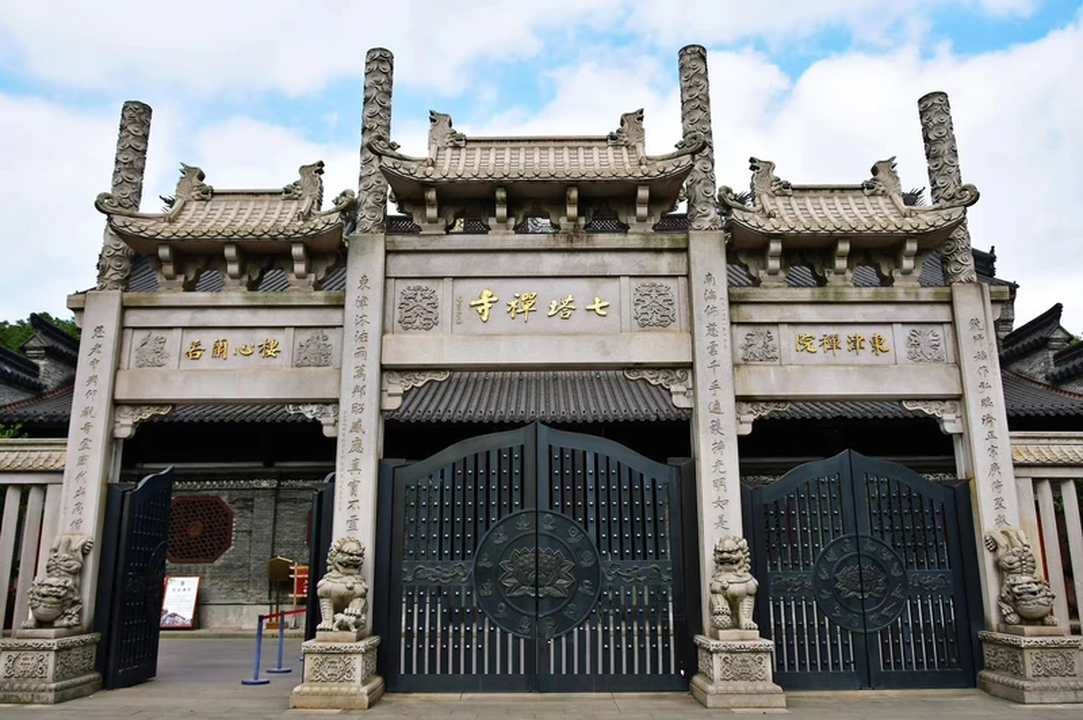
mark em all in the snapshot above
pixel 11 431
pixel 14 334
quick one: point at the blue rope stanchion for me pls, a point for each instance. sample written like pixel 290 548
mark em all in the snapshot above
pixel 281 646
pixel 256 679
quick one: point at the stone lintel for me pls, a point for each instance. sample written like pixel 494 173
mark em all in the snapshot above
pixel 735 673
pixel 44 671
pixel 1032 670
pixel 339 675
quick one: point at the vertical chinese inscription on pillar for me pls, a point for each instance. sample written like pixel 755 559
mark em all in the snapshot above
pixel 354 436
pixel 717 347
pixel 89 405
pixel 991 448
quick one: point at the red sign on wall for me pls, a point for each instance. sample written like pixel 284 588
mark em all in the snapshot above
pixel 300 582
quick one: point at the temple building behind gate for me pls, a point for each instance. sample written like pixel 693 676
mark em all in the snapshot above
pixel 597 423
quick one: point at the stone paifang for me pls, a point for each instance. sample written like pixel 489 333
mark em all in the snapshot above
pixel 549 279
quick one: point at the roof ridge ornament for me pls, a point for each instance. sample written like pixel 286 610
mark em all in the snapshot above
pixel 308 190
pixel 630 133
pixel 441 132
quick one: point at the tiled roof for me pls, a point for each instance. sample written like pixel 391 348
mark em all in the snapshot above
pixel 875 207
pixel 1028 398
pixel 848 410
pixel 52 340
pixel 1067 364
pixel 200 212
pixel 32 455
pixel 1043 449
pixel 1031 335
pixel 51 407
pixel 19 371
pixel 551 396
pixel 454 158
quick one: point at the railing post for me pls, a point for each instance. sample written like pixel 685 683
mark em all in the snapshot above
pixel 256 679
pixel 281 646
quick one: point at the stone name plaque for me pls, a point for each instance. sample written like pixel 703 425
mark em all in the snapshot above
pixel 842 344
pixel 221 348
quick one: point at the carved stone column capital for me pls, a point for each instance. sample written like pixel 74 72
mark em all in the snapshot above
pixel 948 413
pixel 696 123
pixel 327 414
pixel 127 417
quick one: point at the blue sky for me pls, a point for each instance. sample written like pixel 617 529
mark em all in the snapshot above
pixel 250 89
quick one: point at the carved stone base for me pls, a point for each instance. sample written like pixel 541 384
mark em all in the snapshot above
pixel 339 676
pixel 48 671
pixel 1041 669
pixel 735 673
pixel 338 636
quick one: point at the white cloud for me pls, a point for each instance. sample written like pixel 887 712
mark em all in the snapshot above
pixel 1015 119
pixel 296 47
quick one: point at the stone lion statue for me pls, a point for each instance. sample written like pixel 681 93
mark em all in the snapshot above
pixel 55 600
pixel 1025 598
pixel 343 594
pixel 733 589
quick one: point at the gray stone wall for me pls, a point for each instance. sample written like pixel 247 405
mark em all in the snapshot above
pixel 268 521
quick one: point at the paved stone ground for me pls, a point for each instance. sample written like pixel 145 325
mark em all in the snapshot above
pixel 202 679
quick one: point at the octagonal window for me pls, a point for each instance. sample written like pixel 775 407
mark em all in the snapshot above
pixel 200 529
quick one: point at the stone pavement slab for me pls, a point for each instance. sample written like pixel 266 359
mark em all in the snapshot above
pixel 202 679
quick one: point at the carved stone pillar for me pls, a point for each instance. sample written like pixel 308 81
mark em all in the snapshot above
pixel 340 663
pixel 115 261
pixel 945 179
pixel 696 120
pixel 375 123
pixel 51 657
pixel 985 445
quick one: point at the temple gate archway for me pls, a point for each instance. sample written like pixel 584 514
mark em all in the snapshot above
pixel 867 576
pixel 533 560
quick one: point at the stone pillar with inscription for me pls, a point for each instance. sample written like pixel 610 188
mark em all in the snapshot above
pixel 732 659
pixel 340 663
pixel 51 657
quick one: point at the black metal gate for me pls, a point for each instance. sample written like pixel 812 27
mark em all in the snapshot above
pixel 532 560
pixel 863 582
pixel 132 579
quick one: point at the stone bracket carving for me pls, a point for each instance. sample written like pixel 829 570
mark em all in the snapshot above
pixel 749 412
pixel 327 414
pixel 395 383
pixel 677 381
pixel 948 413
pixel 126 418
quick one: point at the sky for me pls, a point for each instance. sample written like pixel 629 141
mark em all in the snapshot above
pixel 250 89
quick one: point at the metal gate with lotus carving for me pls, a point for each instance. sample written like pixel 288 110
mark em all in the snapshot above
pixel 864 570
pixel 532 560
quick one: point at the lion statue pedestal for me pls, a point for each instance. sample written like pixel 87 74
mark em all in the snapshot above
pixel 51 658
pixel 735 663
pixel 340 664
pixel 1031 658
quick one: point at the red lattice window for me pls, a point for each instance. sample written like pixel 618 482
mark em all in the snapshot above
pixel 200 529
